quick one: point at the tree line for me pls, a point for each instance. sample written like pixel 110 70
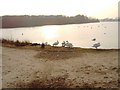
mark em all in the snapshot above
pixel 110 19
pixel 30 21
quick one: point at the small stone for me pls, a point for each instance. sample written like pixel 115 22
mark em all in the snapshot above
pixel 105 77
pixel 8 71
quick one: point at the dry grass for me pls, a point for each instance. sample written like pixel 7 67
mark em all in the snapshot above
pixel 62 53
pixel 12 43
pixel 57 53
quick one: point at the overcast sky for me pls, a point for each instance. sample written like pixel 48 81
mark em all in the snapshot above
pixel 93 8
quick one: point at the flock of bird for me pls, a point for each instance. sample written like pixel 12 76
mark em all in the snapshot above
pixel 64 44
pixel 70 45
pixel 67 44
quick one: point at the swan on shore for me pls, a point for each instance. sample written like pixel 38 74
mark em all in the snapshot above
pixel 63 44
pixel 96 45
pixel 56 43
pixel 68 44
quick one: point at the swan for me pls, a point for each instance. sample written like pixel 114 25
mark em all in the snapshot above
pixel 63 44
pixel 96 45
pixel 68 44
pixel 55 43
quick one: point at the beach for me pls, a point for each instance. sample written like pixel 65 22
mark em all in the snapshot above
pixel 59 68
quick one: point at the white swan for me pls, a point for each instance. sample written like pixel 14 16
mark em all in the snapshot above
pixel 55 43
pixel 96 45
pixel 68 44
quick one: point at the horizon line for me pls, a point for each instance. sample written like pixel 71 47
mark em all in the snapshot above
pixel 58 15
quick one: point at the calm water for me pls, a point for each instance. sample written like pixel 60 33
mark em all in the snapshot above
pixel 80 35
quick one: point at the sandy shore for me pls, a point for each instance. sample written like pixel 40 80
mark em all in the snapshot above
pixel 28 68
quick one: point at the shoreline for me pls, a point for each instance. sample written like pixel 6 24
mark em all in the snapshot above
pixel 29 47
pixel 28 44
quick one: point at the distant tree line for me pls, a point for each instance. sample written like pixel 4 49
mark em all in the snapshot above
pixel 30 21
pixel 110 19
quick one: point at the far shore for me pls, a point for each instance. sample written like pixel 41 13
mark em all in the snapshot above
pixel 42 20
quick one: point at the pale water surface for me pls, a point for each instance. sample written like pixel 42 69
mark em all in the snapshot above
pixel 80 35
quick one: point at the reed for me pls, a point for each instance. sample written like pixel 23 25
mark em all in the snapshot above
pixel 8 42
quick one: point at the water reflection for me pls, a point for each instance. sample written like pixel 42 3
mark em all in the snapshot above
pixel 49 32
